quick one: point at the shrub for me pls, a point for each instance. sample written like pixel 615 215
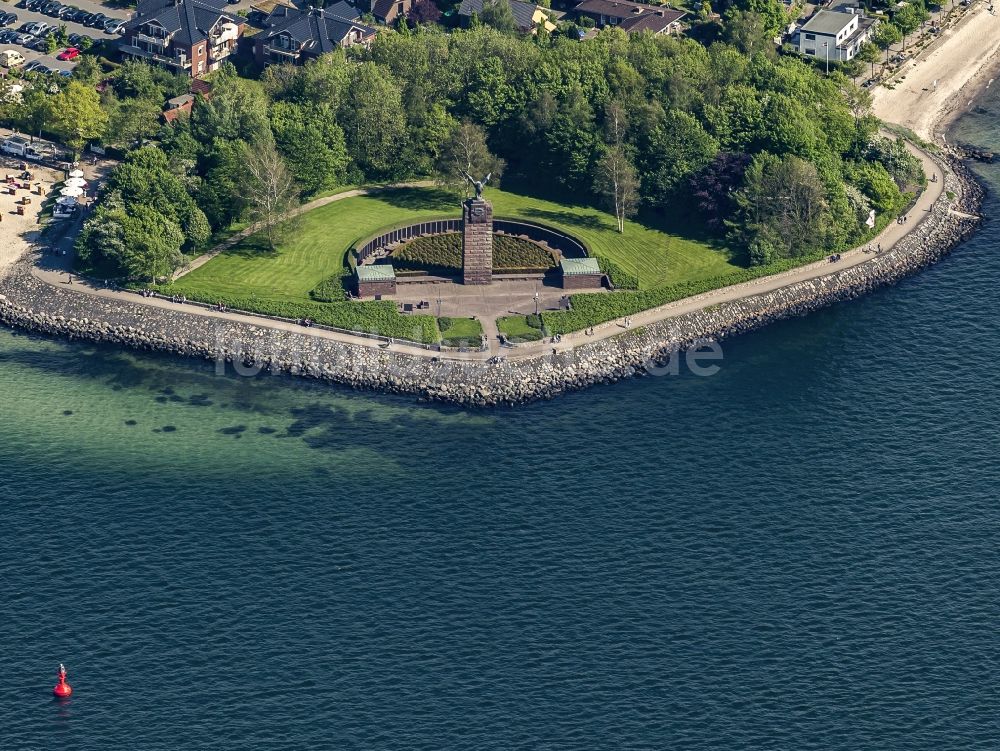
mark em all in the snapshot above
pixel 333 289
pixel 444 252
pixel 373 317
pixel 592 309
pixel 620 278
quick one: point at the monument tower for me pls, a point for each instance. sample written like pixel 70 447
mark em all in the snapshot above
pixel 477 236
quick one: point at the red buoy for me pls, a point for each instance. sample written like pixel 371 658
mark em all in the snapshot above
pixel 62 689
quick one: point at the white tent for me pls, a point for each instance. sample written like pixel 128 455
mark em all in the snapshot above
pixel 76 173
pixel 75 192
pixel 66 201
pixel 76 182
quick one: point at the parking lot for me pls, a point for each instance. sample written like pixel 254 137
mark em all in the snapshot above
pixel 25 16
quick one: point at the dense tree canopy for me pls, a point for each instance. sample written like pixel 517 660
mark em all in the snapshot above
pixel 717 129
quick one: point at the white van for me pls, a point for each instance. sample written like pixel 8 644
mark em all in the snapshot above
pixel 18 146
pixel 11 58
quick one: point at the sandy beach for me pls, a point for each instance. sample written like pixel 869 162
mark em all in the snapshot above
pixel 942 82
pixel 18 231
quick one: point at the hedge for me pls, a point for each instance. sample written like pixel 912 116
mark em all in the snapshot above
pixel 378 317
pixel 592 309
pixel 620 278
pixel 333 289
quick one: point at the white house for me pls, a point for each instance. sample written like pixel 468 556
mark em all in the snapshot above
pixel 835 35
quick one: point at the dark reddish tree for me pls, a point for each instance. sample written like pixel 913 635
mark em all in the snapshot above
pixel 713 187
pixel 424 11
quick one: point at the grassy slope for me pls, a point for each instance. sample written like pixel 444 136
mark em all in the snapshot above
pixel 315 246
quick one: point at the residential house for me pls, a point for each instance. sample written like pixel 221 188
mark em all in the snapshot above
pixel 292 35
pixel 835 35
pixel 384 11
pixel 179 105
pixel 631 17
pixel 528 16
pixel 191 37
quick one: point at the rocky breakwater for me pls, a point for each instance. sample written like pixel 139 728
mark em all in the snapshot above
pixel 29 303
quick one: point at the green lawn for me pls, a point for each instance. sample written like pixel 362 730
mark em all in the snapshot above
pixel 518 328
pixel 314 247
pixel 457 332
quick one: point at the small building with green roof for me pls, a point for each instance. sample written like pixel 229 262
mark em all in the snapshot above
pixel 581 273
pixel 375 279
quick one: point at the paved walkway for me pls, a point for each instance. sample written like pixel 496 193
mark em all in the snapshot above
pixel 887 239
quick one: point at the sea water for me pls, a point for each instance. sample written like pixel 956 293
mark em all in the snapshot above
pixel 799 552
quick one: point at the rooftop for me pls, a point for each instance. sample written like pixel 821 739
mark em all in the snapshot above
pixel 524 13
pixel 376 272
pixel 623 9
pixel 318 31
pixel 828 22
pixel 580 266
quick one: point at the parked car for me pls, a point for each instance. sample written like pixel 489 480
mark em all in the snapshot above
pixel 41 44
pixel 6 37
pixel 7 19
pixel 65 74
pixel 22 38
pixel 67 13
pixel 114 26
pixel 70 53
pixel 97 20
pixel 32 66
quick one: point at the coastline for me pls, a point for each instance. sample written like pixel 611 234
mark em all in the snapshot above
pixel 942 84
pixel 249 346
pixel 31 304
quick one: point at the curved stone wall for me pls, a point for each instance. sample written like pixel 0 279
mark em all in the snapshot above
pixel 566 244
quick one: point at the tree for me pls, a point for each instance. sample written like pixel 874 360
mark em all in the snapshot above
pixel 425 11
pixel 617 184
pixel 782 209
pixel 713 188
pixel 749 32
pixel 135 242
pixel 868 53
pixel 675 148
pixel 908 19
pixel 858 100
pixel 270 190
pixel 374 121
pixel 465 152
pixel 31 114
pixel 152 243
pixel 237 110
pixel 886 35
pixel 131 121
pixel 77 117
pixel 312 143
pixel 499 15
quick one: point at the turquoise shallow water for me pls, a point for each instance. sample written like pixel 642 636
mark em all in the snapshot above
pixel 799 552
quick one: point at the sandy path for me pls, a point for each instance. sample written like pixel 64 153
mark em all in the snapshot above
pixel 962 52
